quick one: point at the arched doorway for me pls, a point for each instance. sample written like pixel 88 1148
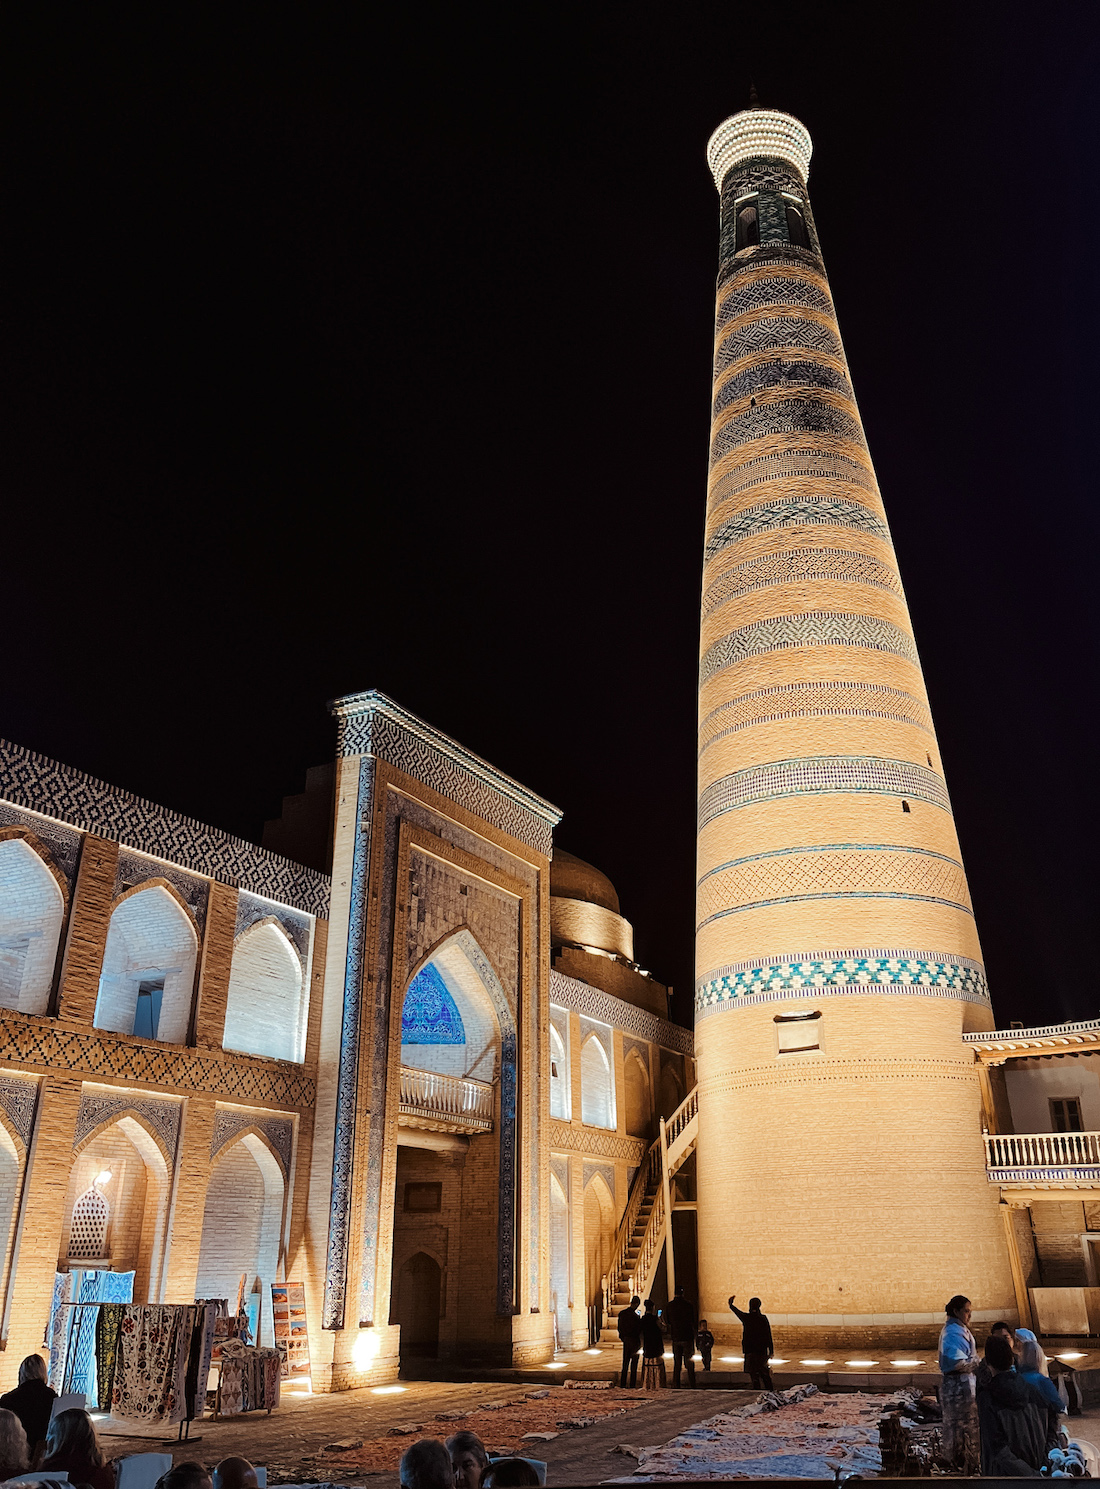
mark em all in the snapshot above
pixel 117 1205
pixel 639 1111
pixel 418 1291
pixel 560 1240
pixel 599 1236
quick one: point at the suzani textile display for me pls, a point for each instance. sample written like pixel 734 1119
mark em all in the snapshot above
pixel 154 1341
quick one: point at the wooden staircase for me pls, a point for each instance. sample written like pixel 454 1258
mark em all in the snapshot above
pixel 645 1230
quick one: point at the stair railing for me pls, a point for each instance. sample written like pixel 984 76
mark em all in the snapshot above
pixel 646 1180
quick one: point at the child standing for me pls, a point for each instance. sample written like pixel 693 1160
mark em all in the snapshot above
pixel 704 1342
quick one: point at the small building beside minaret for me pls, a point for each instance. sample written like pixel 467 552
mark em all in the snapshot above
pixel 841 1171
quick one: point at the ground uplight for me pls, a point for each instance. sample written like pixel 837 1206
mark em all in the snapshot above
pixel 1071 1354
pixel 593 1351
pixel 668 1354
pixel 731 1359
pixel 387 1390
pixel 860 1364
pixel 816 1362
pixel 555 1365
pixel 774 1361
pixel 912 1364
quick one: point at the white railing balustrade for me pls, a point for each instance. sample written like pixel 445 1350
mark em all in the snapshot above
pixel 454 1099
pixel 1042 1150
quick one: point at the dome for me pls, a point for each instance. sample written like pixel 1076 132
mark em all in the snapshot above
pixel 573 879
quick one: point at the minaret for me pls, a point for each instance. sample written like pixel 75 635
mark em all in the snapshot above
pixel 840 1162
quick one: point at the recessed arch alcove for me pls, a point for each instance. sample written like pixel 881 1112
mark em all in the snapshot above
pixel 32 911
pixel 148 976
pixel 242 1227
pixel 268 1001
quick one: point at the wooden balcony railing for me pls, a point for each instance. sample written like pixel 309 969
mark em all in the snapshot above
pixel 1053 1155
pixel 445 1103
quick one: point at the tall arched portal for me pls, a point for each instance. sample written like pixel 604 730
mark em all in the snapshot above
pixel 242 1226
pixel 453 1196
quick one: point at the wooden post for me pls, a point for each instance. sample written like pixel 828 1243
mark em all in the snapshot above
pixel 670 1260
pixel 1019 1281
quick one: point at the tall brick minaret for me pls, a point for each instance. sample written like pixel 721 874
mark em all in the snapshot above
pixel 840 1161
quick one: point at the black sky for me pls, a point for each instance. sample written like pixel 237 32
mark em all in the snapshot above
pixel 347 356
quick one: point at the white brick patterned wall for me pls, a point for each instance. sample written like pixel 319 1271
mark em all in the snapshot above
pixel 31 912
pixel 149 936
pixel 597 1096
pixel 268 999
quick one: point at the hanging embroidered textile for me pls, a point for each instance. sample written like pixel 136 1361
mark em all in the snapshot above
pixel 250 1379
pixel 60 1318
pixel 154 1341
pixel 81 1367
pixel 108 1326
pixel 199 1357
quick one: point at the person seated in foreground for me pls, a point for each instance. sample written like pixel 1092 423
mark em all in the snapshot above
pixel 510 1473
pixel 426 1465
pixel 469 1460
pixel 236 1473
pixel 14 1459
pixel 1012 1417
pixel 73 1448
pixel 1031 1365
pixel 187 1475
pixel 32 1401
pixel 983 1375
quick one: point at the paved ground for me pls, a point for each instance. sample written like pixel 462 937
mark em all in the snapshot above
pixel 291 1440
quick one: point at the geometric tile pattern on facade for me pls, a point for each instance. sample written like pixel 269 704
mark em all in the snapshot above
pixel 772 288
pixel 566 1138
pixel 18 1097
pixel 806 415
pixel 54 1046
pixel 818 775
pixel 813 699
pixel 44 785
pixel 797 565
pixel 764 335
pixel 792 371
pixel 822 511
pixel 279 1132
pixel 792 467
pixel 922 973
pixel 864 871
pixel 371 723
pixel 821 628
pixel 98 1106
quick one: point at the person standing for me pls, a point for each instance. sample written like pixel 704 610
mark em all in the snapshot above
pixel 958 1360
pixel 653 1349
pixel 681 1324
pixel 1012 1417
pixel 756 1343
pixel 629 1325
pixel 704 1342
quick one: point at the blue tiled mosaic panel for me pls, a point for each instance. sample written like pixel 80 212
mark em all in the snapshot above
pixel 429 1014
pixel 926 973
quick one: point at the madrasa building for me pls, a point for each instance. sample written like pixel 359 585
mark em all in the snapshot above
pixel 402 1056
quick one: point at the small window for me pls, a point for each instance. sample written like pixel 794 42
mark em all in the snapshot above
pixel 748 227
pixel 905 806
pixel 796 1033
pixel 929 759
pixel 423 1199
pixel 796 228
pixel 147 1012
pixel 1065 1114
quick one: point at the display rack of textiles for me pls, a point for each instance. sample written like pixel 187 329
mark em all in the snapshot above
pixel 71 1333
pixel 249 1379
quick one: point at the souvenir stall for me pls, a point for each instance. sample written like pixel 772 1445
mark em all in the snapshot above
pixel 71 1333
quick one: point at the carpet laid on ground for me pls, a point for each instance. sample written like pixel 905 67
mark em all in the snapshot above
pixel 511 1425
pixel 797 1434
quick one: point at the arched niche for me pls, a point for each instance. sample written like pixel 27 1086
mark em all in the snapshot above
pixel 32 910
pixel 597 1092
pixel 639 1103
pixel 417 1305
pixel 670 1091
pixel 135 1189
pixel 267 1003
pixel 11 1174
pixel 599 1235
pixel 560 1254
pixel 560 1094
pixel 449 1023
pixel 242 1225
pixel 148 967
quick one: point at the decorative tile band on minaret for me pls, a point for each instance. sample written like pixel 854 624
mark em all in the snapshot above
pixel 837 958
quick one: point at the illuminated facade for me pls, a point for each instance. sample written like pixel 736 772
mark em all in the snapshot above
pixel 837 958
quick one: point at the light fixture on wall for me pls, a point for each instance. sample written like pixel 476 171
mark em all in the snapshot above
pixel 103 1177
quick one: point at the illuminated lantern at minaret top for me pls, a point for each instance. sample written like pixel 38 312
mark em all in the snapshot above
pixel 840 1162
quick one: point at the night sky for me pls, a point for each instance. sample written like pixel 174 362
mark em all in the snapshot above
pixel 380 357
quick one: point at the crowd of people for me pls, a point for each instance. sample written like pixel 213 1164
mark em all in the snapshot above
pixel 462 1462
pixel 33 1440
pixel 644 1334
pixel 1001 1412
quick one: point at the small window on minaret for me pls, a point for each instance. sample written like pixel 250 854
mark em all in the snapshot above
pixel 796 228
pixel 905 806
pixel 748 228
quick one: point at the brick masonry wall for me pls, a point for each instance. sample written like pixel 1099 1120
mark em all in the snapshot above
pixel 88 924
